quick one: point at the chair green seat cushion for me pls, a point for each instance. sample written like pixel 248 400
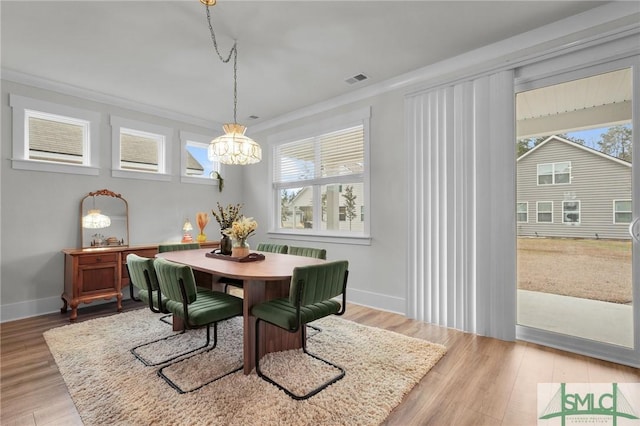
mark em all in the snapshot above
pixel 209 306
pixel 283 314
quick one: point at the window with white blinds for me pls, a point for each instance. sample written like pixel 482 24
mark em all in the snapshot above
pixel 52 137
pixel 320 182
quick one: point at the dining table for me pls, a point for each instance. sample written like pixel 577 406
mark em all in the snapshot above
pixel 262 280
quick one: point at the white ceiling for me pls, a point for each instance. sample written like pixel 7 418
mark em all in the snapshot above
pixel 292 54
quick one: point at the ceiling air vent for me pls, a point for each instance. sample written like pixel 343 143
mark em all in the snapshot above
pixel 356 78
pixel 253 117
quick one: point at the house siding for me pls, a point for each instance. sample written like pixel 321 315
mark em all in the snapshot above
pixel 596 181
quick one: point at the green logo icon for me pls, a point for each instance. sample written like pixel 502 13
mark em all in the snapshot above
pixel 566 404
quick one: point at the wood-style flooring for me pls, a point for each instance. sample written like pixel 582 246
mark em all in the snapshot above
pixel 481 381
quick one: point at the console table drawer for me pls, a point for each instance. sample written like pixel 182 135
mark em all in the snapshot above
pixel 93 259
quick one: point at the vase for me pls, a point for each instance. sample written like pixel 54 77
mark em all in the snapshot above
pixel 225 245
pixel 201 237
pixel 240 248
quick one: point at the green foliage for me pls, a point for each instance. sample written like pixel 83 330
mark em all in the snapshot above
pixel 349 204
pixel 617 142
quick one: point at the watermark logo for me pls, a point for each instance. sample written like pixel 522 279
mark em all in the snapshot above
pixel 616 404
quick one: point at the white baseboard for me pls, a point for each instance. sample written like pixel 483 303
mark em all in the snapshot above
pixel 33 308
pixel 383 302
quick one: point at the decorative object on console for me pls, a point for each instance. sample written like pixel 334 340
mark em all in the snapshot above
pixel 202 219
pixel 233 147
pixel 114 228
pixel 187 228
pixel 225 218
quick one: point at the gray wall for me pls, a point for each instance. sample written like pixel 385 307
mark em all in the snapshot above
pixel 595 182
pixel 40 210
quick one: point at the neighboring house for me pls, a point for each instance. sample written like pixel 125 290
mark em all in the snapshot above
pixel 565 189
pixel 300 214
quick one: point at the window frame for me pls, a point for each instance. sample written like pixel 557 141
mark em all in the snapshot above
pixel 538 212
pixel 615 222
pixel 579 221
pixel 526 212
pixel 23 107
pixel 164 149
pixel 553 173
pixel 360 117
pixel 195 138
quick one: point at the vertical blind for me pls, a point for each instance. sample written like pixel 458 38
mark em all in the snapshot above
pixel 461 213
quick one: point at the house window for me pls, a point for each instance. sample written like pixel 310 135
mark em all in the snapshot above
pixel 195 164
pixel 140 150
pixel 53 137
pixel 622 211
pixel 522 212
pixel 319 179
pixel 544 211
pixel 571 212
pixel 554 173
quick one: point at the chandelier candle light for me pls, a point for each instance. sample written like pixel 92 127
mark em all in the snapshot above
pixel 233 147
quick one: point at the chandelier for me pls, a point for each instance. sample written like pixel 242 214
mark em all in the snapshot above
pixel 94 219
pixel 233 147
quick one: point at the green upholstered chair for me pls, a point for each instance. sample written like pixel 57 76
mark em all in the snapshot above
pixel 311 297
pixel 272 248
pixel 162 248
pixel 308 251
pixel 196 307
pixel 142 276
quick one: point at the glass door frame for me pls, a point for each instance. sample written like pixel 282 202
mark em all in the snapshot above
pixel 609 352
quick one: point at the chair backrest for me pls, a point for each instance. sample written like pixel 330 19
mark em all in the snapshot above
pixel 315 283
pixel 169 276
pixel 141 272
pixel 272 248
pixel 308 252
pixel 177 246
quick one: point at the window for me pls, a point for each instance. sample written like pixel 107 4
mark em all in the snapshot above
pixel 571 212
pixel 621 211
pixel 195 164
pixel 522 212
pixel 140 150
pixel 54 138
pixel 554 173
pixel 319 179
pixel 544 211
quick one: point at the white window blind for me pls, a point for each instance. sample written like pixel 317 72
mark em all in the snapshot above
pixel 333 154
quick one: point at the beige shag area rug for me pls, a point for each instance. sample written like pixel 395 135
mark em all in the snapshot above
pixel 110 386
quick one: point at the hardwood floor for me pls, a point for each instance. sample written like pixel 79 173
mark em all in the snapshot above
pixel 481 381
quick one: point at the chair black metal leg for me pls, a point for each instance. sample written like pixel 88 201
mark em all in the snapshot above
pixel 150 364
pixel 131 294
pixel 304 349
pixel 178 388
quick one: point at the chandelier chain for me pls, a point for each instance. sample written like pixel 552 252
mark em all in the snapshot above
pixel 233 52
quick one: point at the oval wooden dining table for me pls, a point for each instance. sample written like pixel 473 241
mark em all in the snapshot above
pixel 262 280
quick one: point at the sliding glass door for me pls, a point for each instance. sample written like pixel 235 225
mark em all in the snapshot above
pixel 577 212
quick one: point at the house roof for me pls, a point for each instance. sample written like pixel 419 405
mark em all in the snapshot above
pixel 576 145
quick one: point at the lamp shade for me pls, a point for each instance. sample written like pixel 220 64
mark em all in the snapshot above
pixel 95 220
pixel 234 147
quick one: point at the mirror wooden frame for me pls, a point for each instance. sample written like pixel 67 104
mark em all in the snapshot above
pixel 98 240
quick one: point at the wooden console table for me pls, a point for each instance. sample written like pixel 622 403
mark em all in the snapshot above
pixel 100 273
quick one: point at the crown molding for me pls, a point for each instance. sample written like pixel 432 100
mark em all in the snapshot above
pixel 537 44
pixel 91 95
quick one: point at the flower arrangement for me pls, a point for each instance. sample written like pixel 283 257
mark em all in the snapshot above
pixel 226 216
pixel 202 219
pixel 241 229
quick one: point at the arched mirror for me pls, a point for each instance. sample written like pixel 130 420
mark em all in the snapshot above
pixel 104 220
